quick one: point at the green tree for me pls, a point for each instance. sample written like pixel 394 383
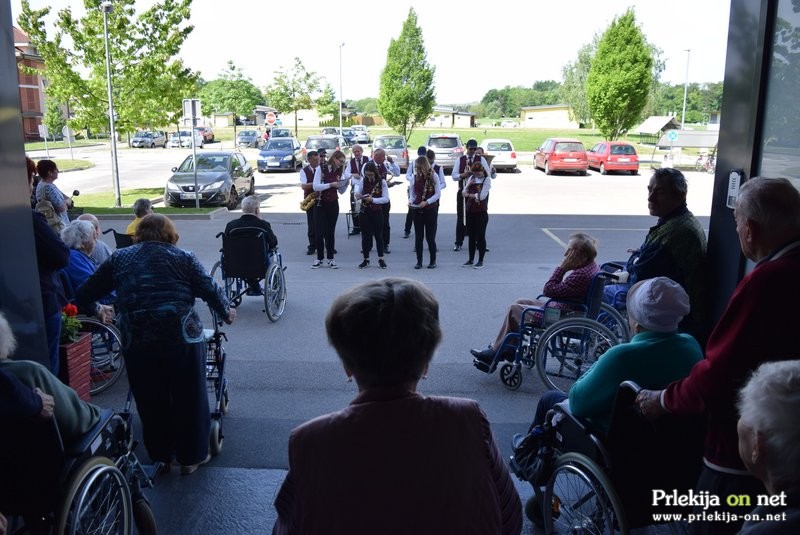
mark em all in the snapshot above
pixel 328 104
pixel 293 90
pixel 231 92
pixel 53 117
pixel 365 106
pixel 407 92
pixel 573 90
pixel 620 77
pixel 149 83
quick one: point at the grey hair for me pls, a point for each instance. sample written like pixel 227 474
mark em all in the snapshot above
pixel 354 147
pixel 141 207
pixel 585 243
pixel 774 204
pixel 91 219
pixel 769 403
pixel 77 233
pixel 674 177
pixel 7 341
pixel 250 204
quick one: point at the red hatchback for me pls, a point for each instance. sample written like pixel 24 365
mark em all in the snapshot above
pixel 609 156
pixel 561 154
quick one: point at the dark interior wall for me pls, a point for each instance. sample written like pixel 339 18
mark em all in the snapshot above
pixel 20 299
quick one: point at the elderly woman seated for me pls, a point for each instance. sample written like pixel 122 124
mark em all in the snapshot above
pixel 579 263
pixel 74 417
pixel 768 444
pixel 656 355
pixel 80 237
pixel 394 461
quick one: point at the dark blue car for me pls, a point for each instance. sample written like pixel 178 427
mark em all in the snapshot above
pixel 280 153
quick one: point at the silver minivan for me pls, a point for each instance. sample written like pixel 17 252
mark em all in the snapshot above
pixel 395 146
pixel 448 149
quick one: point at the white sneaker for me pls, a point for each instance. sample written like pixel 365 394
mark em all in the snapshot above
pixel 332 264
pixel 316 264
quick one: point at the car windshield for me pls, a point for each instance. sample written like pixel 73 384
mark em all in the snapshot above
pixel 623 149
pixel 389 143
pixel 280 133
pixel 279 145
pixel 144 134
pixel 205 163
pixel 569 147
pixel 498 146
pixel 186 134
pixel 247 133
pixel 314 144
pixel 443 142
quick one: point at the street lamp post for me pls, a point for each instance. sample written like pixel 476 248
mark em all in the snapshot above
pixel 340 88
pixel 107 7
pixel 685 87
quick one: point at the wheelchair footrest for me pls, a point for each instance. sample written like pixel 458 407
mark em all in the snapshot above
pixel 483 366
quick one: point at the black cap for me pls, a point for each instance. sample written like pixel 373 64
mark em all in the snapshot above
pixel 472 144
pixel 422 151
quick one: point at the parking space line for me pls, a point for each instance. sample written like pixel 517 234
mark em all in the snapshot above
pixel 554 237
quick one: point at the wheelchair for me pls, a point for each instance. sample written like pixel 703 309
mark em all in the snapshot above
pixel 246 257
pixel 595 484
pixel 94 486
pixel 216 381
pixel 561 348
pixel 121 239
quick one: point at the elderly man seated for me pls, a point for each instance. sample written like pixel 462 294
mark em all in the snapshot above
pixel 81 238
pixel 251 224
pixel 656 355
pixel 579 263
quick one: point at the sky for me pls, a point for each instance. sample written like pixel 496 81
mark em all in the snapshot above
pixel 506 42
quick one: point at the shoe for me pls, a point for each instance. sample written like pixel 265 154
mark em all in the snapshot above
pixel 165 468
pixel 335 251
pixel 467 263
pixel 483 366
pixel 432 265
pixel 418 266
pixel 479 265
pixel 354 232
pixel 484 355
pixel 332 264
pixel 364 263
pixel 316 264
pixel 190 469
pixel 386 249
pixel 254 291
pixel 486 250
pixel 457 247
pixel 310 251
pixel 381 263
pixel 406 234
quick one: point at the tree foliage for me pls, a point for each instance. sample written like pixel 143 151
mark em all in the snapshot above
pixel 53 117
pixel 573 90
pixel 231 92
pixel 407 92
pixel 365 106
pixel 148 81
pixel 507 102
pixel 327 103
pixel 293 90
pixel 620 77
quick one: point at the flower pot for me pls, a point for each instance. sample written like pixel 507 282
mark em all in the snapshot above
pixel 75 365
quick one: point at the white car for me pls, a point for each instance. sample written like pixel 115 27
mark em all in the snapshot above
pixel 509 124
pixel 362 134
pixel 505 157
pixel 184 139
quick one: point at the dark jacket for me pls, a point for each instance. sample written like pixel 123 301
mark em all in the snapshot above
pixel 52 255
pixel 253 221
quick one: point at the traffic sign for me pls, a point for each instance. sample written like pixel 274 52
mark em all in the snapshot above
pixel 270 119
pixel 673 135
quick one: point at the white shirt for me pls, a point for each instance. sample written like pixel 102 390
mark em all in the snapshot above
pixel 437 193
pixel 457 176
pixel 358 185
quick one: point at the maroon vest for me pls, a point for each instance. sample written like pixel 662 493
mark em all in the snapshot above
pixel 356 165
pixel 375 189
pixel 330 175
pixel 474 206
pixel 309 172
pixel 463 162
pixel 424 189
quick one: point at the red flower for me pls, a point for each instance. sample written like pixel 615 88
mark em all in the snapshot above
pixel 70 309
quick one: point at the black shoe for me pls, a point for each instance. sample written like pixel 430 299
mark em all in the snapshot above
pixel 406 234
pixel 310 251
pixel 381 263
pixel 479 265
pixel 335 251
pixel 486 250
pixel 364 264
pixel 254 291
pixel 432 265
pixel 386 250
pixel 484 355
pixel 468 263
pixel 418 266
pixel 457 247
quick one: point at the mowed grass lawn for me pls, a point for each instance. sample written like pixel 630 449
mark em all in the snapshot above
pixel 103 203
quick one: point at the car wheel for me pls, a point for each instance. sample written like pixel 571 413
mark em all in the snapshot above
pixel 603 169
pixel 201 144
pixel 152 145
pixel 252 186
pixel 233 198
pixel 547 170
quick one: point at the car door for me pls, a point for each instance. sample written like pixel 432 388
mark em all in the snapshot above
pixel 594 155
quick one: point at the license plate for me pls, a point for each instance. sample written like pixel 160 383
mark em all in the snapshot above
pixel 570 159
pixel 624 160
pixel 273 164
pixel 191 196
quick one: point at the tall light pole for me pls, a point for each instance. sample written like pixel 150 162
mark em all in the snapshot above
pixel 341 98
pixel 685 87
pixel 107 8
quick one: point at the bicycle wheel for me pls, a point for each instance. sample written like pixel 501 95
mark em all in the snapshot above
pixel 107 363
pixel 568 348
pixel 275 292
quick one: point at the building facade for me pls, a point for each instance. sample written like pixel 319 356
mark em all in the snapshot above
pixel 31 86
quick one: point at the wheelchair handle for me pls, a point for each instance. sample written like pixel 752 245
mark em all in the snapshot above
pixel 219 234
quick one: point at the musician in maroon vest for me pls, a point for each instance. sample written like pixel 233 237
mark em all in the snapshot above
pixel 386 166
pixel 352 172
pixel 423 199
pixel 307 183
pixel 476 194
pixel 373 192
pixel 461 173
pixel 421 151
pixel 329 182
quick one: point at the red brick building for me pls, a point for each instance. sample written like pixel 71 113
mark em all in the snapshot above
pixel 31 86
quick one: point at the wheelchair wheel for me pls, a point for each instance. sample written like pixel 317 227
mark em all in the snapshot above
pixel 275 292
pixel 107 363
pixel 615 321
pixel 579 498
pixel 143 517
pixel 228 285
pixel 568 348
pixel 224 400
pixel 97 500
pixel 215 436
pixel 511 375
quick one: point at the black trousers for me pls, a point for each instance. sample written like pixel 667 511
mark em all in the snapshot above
pixel 425 223
pixel 476 230
pixel 325 216
pixel 371 226
pixel 355 215
pixel 409 220
pixel 460 227
pixel 168 382
pixel 386 208
pixel 312 240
